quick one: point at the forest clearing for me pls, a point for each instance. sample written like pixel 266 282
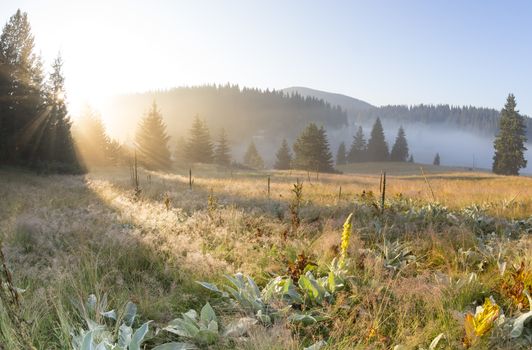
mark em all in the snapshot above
pixel 265 175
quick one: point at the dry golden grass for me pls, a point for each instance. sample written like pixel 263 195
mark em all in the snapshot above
pixel 508 196
pixel 68 236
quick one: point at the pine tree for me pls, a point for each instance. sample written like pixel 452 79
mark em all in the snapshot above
pixel 151 141
pixel 358 151
pixel 510 142
pixel 411 158
pixel 22 118
pixel 199 145
pixel 222 155
pixel 377 146
pixel 54 150
pixel 93 143
pixel 436 160
pixel 341 157
pixel 312 150
pixel 284 157
pixel 252 157
pixel 400 147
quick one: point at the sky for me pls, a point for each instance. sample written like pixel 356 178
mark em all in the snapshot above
pixel 384 52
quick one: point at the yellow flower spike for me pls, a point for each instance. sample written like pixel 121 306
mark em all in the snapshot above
pixel 346 234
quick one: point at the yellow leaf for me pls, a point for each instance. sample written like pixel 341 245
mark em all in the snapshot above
pixel 481 323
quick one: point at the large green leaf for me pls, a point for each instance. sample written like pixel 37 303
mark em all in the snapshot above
pixel 124 335
pixel 207 314
pixel 182 328
pixel 308 287
pixel 130 313
pixel 138 336
pixel 519 323
pixel 87 343
pixel 213 287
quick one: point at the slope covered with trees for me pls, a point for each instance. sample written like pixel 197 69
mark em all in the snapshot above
pixel 479 120
pixel 243 112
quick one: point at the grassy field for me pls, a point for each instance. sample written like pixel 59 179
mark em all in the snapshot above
pixel 393 277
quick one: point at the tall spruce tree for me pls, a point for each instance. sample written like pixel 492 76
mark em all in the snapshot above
pixel 377 146
pixel 341 157
pixel 400 148
pixel 92 142
pixel 510 142
pixel 22 110
pixel 199 147
pixel 436 160
pixel 56 145
pixel 411 158
pixel 151 141
pixel 222 153
pixel 252 157
pixel 312 150
pixel 358 150
pixel 283 157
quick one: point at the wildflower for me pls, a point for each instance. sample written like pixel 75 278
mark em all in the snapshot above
pixel 345 239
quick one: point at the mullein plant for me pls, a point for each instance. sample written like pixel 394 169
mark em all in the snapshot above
pixel 346 234
pixel 481 322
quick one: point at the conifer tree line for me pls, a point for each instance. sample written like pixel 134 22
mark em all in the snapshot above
pixel 34 122
pixel 374 149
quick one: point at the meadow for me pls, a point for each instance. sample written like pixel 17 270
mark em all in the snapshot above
pixel 286 259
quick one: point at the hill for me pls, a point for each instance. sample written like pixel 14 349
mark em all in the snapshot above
pixel 350 104
pixel 245 113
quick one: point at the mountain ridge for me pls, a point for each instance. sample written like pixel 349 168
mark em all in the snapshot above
pixel 349 103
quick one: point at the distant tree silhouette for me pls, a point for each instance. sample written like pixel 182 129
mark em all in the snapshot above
pixel 222 153
pixel 411 158
pixel 252 157
pixel 283 157
pixel 483 121
pixel 151 141
pixel 400 148
pixel 510 142
pixel 312 150
pixel 436 160
pixel 341 157
pixel 199 147
pixel 358 150
pixel 377 146
pixel 93 144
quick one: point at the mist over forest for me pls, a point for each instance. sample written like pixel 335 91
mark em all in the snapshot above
pixel 463 136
